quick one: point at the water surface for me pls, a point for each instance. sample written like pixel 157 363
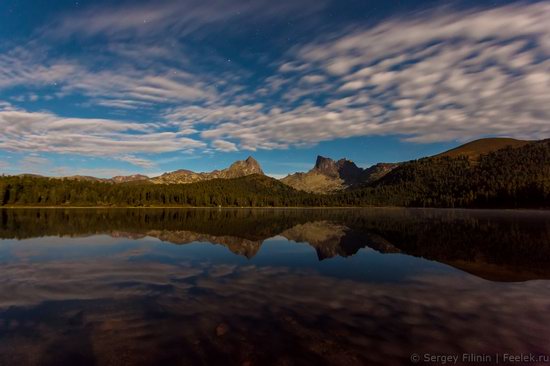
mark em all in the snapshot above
pixel 270 287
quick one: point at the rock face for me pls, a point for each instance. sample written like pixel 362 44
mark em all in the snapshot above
pixel 238 169
pixel 328 175
pixel 343 169
pixel 242 168
pixel 129 178
pixel 326 166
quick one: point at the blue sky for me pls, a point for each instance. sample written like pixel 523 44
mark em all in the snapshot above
pixel 111 87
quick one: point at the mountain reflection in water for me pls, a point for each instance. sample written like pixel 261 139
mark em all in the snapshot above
pixel 97 287
pixel 495 245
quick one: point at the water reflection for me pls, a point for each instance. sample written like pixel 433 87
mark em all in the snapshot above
pixel 495 245
pixel 110 291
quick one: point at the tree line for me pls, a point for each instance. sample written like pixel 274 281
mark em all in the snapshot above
pixel 511 177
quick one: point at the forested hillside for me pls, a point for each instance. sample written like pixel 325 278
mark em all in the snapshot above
pixel 253 190
pixel 510 177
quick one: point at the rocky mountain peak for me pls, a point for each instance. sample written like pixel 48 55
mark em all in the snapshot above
pixel 129 178
pixel 245 167
pixel 251 160
pixel 326 166
pixel 344 169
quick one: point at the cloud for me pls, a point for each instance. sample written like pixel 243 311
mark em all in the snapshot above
pixel 353 85
pixel 432 77
pixel 21 130
pixel 470 73
pixel 225 146
pixel 143 60
pixel 427 77
pixel 134 160
pixel 21 66
pixel 177 17
pixel 313 79
pixel 119 86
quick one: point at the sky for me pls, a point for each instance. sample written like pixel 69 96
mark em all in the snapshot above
pixel 109 88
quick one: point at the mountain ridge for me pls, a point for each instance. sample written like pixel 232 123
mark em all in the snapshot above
pixel 327 175
pixel 505 178
pixel 238 169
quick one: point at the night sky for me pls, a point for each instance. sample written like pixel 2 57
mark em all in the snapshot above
pixel 109 87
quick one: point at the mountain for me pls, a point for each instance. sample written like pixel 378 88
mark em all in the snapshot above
pixel 238 169
pixel 474 149
pixel 513 176
pixel 129 178
pixel 377 171
pixel 343 169
pixel 117 179
pixel 240 246
pixel 510 177
pixel 85 178
pixel 329 176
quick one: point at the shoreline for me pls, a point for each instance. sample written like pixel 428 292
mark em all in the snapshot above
pixel 544 210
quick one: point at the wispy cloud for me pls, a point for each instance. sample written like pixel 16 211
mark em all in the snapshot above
pixel 21 130
pixel 226 146
pixel 185 17
pixel 433 77
pixel 118 85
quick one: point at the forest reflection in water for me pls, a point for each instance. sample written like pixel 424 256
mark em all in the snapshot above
pixel 358 286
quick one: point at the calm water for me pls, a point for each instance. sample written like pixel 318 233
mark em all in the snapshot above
pixel 272 287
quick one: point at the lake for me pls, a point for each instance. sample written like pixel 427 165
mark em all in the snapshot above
pixel 273 286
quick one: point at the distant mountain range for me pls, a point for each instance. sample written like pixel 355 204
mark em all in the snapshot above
pixel 238 169
pixel 484 173
pixel 327 175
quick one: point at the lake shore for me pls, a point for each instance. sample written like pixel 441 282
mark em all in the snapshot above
pixel 542 210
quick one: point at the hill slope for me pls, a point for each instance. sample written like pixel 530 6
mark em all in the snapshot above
pixel 474 149
pixel 509 177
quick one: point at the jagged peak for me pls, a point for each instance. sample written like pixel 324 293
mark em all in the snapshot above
pixel 345 161
pixel 322 160
pixel 246 167
pixel 250 159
